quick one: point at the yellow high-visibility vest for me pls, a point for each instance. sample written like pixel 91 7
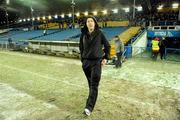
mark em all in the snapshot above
pixel 155 45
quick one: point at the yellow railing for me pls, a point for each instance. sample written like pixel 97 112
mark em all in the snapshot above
pixel 51 26
pixel 113 23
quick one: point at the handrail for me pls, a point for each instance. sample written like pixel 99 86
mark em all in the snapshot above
pixel 140 34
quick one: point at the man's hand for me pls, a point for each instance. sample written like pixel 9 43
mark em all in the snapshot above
pixel 103 62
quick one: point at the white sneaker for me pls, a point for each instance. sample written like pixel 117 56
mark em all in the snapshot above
pixel 87 112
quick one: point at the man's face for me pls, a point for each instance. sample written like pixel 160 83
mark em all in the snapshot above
pixel 90 23
pixel 116 39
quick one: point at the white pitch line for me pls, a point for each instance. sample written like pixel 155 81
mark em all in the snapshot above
pixel 41 75
pixel 130 100
pixel 41 57
pixel 17 104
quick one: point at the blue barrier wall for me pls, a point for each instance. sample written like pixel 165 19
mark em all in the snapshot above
pixel 128 49
pixel 164 33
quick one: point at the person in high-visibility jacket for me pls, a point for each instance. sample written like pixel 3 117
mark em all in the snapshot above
pixel 155 48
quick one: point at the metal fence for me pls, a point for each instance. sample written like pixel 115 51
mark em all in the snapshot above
pixel 172 54
pixel 4 45
pixel 143 52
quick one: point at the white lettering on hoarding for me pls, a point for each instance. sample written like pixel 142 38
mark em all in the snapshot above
pixel 159 33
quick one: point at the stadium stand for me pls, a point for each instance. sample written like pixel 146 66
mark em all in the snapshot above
pixel 125 37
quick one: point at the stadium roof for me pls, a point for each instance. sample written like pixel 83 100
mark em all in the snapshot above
pixel 54 6
pixel 22 8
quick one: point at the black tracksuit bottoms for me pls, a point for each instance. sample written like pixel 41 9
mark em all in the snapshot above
pixel 92 70
pixel 162 52
pixel 119 60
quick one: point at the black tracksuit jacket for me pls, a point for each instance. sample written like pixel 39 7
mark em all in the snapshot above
pixel 94 46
